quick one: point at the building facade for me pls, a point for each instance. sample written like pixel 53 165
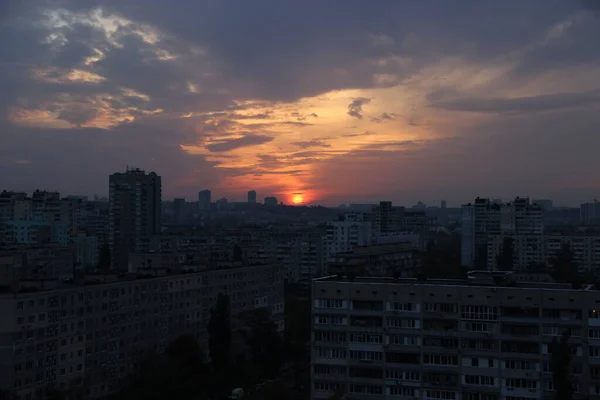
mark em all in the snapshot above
pixel 86 336
pixel 134 213
pixel 484 219
pixel 377 337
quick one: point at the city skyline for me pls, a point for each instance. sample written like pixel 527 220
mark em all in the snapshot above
pixel 403 101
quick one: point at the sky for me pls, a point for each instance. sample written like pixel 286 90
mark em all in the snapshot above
pixel 315 102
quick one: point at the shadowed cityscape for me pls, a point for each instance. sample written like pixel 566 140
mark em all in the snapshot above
pixel 336 200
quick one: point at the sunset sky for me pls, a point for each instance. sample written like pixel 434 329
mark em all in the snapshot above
pixel 317 101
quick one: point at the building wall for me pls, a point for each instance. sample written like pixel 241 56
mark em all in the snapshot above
pixel 450 341
pixel 90 333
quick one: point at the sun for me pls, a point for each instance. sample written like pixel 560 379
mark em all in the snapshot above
pixel 298 199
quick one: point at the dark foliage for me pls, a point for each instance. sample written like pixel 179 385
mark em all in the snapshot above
pixel 560 365
pixel 219 336
pixel 441 260
pixel 505 260
pixel 564 267
pixel 264 342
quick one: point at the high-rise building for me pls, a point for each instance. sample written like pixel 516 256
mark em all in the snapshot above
pixel 252 197
pixel 590 213
pixel 134 213
pixel 484 220
pixel 204 200
pixel 387 218
pixel 449 339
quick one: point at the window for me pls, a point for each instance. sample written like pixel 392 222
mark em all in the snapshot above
pixel 479 380
pixel 440 359
pixel 329 303
pixel 521 383
pixel 485 313
pixel 520 364
pixel 397 306
pixel 366 355
pixel 361 338
pixel 403 323
pixel 440 394
pixel 366 389
pixel 477 327
pixel 402 391
pixel 324 352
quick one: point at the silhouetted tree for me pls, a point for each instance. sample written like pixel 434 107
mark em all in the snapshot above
pixel 560 365
pixel 564 268
pixel 505 260
pixel 219 336
pixel 264 342
pixel 237 252
pixel 442 258
pixel 104 257
pixel 537 267
pixel 6 394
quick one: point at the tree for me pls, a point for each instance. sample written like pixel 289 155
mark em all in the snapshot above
pixel 6 394
pixel 505 260
pixel 564 268
pixel 264 342
pixel 179 373
pixel 560 365
pixel 219 336
pixel 237 252
pixel 442 258
pixel 104 257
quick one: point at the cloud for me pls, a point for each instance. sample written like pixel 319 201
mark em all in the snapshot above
pixel 355 108
pixel 520 104
pixel 383 117
pixel 311 143
pixel 232 144
pixel 365 133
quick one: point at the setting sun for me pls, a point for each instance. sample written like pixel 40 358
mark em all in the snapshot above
pixel 298 199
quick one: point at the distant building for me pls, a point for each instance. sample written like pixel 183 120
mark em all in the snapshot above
pixel 387 218
pixel 134 213
pixel 271 201
pixel 546 204
pixel 178 210
pixel 400 259
pixel 483 220
pixel 443 205
pixel 204 200
pixel 590 213
pixel 252 197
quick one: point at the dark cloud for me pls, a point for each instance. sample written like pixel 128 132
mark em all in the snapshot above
pixel 522 104
pixel 311 143
pixel 365 133
pixel 383 117
pixel 355 108
pixel 244 141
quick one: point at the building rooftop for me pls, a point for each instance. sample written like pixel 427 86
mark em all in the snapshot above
pixel 451 282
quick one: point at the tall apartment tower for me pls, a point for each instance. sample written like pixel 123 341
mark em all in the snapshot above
pixel 387 218
pixel 134 213
pixel 252 197
pixel 204 200
pixel 485 221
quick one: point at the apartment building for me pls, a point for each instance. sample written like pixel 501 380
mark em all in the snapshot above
pixel 449 339
pixel 134 213
pixel 401 259
pixel 484 219
pixel 86 335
